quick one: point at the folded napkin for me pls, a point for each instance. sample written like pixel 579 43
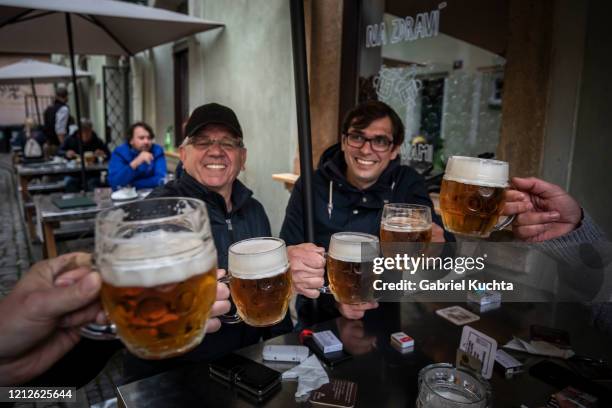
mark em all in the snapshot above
pixel 542 348
pixel 310 374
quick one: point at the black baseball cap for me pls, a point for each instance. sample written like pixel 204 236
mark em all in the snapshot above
pixel 212 113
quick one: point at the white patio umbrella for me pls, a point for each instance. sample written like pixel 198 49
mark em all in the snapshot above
pixel 29 70
pixel 89 27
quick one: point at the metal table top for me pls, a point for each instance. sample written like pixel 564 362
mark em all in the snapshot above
pixel 47 211
pixel 385 377
pixel 57 168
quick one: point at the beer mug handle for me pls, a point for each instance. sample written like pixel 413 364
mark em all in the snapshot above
pixel 325 289
pixel 504 223
pixel 228 318
pixel 95 331
pixel 99 331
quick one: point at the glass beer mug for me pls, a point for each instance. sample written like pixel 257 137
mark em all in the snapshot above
pixel 260 280
pixel 349 267
pixel 405 223
pixel 472 196
pixel 158 265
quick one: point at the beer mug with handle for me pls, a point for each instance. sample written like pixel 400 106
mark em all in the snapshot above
pixel 472 196
pixel 158 265
pixel 405 223
pixel 260 280
pixel 349 270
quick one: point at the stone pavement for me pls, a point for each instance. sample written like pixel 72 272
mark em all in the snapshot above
pixel 15 252
pixel 16 256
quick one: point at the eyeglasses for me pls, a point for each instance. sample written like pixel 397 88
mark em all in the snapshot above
pixel 204 143
pixel 377 143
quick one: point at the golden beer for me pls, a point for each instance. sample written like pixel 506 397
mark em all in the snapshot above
pixel 349 267
pixel 470 209
pixel 164 320
pixel 401 229
pixel 260 281
pixel 405 223
pixel 158 265
pixel 472 195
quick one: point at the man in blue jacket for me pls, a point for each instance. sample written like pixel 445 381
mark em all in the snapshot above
pixel 138 162
pixel 213 154
pixel 353 182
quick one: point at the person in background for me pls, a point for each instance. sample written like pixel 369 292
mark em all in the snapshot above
pixel 56 121
pixel 31 140
pixel 138 162
pixel 90 143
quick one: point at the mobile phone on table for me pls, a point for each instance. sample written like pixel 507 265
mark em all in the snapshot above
pixel 329 359
pixel 251 379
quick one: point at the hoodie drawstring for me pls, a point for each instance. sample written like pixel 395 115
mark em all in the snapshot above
pixel 330 203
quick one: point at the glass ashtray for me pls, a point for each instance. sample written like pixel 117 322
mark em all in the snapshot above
pixel 444 386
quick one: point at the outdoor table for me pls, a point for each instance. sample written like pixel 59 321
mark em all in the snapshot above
pixel 49 216
pixel 27 172
pixel 385 377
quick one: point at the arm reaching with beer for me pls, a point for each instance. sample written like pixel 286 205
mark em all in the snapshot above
pixel 544 210
pixel 43 314
pixel 307 263
pixel 221 305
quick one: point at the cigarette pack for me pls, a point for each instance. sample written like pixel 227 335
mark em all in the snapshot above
pixel 484 297
pixel 327 341
pixel 402 339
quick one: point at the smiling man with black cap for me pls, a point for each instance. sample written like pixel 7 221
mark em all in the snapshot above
pixel 213 154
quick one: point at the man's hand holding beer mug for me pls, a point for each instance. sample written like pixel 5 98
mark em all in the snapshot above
pixel 352 293
pixel 544 210
pixel 43 314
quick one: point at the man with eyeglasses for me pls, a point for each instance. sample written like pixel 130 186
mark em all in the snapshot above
pixel 353 182
pixel 213 154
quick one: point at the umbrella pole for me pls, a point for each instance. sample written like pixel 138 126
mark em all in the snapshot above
pixel 76 99
pixel 300 70
pixel 35 100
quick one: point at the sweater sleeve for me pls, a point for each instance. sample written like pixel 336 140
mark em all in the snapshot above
pixel 567 247
pixel 292 231
pixel 155 179
pixel 120 173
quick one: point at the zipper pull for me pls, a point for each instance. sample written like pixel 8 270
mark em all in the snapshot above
pixel 229 224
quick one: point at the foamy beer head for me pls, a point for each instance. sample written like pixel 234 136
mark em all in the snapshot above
pixel 158 265
pixel 472 195
pixel 260 280
pixel 349 266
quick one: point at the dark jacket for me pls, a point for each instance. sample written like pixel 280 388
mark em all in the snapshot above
pixel 147 175
pixel 72 143
pixel 246 220
pixel 348 208
pixel 49 122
